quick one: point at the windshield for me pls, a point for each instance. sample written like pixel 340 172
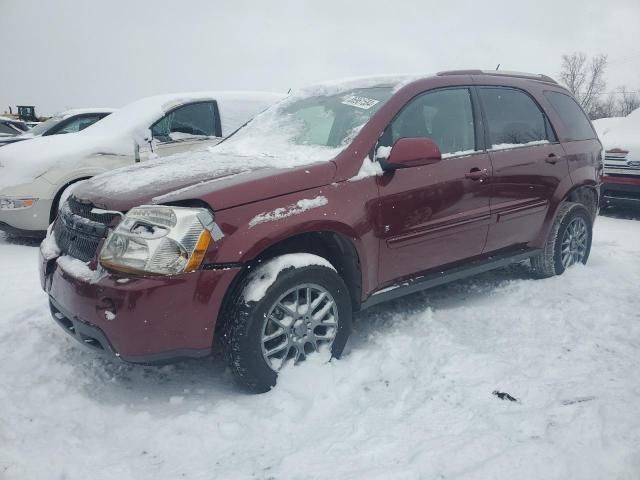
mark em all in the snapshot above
pixel 308 129
pixel 45 126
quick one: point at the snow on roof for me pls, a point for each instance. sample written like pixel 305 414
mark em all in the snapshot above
pixel 236 108
pixel 82 111
pixel 621 132
pixel 333 87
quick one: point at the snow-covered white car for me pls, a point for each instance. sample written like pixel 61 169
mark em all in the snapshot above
pixel 620 137
pixel 69 121
pixel 35 174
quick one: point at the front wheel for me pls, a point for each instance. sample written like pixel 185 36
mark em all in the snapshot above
pixel 569 241
pixel 304 311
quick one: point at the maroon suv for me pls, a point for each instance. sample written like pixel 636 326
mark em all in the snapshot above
pixel 338 198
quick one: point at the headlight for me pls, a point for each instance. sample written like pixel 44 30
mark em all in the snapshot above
pixel 160 240
pixel 9 203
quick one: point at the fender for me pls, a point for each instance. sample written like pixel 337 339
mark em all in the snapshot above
pixel 562 193
pixel 249 230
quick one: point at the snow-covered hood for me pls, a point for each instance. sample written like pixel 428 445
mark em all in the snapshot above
pixel 22 162
pixel 200 175
pixel 621 132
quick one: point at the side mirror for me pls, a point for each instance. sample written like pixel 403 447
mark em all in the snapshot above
pixel 412 152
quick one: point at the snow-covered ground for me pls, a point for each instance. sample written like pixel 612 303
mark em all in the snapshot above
pixel 412 398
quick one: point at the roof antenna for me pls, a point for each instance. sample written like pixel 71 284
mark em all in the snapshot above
pixel 498 67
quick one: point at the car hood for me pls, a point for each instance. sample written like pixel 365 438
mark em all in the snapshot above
pixel 221 179
pixel 22 162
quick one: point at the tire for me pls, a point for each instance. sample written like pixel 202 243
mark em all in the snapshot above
pixel 248 323
pixel 553 258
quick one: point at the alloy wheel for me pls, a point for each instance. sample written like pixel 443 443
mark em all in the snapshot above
pixel 573 248
pixel 301 321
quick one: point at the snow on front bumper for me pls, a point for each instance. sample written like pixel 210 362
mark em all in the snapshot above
pixel 139 319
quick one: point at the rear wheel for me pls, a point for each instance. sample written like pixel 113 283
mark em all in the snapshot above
pixel 569 241
pixel 304 311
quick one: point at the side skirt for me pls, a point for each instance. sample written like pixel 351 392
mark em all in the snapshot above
pixel 434 279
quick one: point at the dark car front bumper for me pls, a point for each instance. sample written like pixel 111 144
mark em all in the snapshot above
pixel 136 319
pixel 621 190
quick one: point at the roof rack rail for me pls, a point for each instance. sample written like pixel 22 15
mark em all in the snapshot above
pixel 504 73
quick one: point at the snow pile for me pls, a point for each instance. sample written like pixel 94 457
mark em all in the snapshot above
pixel 266 274
pixel 78 269
pixel 199 167
pixel 368 169
pixel 410 399
pixel 622 132
pixel 49 246
pixel 283 212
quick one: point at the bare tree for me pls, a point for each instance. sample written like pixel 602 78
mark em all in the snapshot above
pixel 584 77
pixel 627 102
pixel 604 107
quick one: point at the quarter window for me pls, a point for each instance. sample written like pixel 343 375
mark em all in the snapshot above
pixel 513 118
pixel 195 119
pixel 444 116
pixel 572 116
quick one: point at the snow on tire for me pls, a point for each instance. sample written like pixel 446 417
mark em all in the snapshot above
pixel 569 241
pixel 304 309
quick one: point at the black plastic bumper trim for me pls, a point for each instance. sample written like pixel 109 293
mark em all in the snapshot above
pixel 440 277
pixel 18 232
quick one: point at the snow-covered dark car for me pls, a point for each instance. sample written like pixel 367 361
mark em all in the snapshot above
pixel 338 198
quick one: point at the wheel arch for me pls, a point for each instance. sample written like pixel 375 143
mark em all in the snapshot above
pixel 586 194
pixel 336 247
pixel 58 195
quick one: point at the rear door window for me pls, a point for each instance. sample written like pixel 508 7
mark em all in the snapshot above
pixel 192 120
pixel 513 118
pixel 572 116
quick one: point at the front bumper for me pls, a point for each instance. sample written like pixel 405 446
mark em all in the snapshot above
pixel 139 320
pixel 621 191
pixel 27 222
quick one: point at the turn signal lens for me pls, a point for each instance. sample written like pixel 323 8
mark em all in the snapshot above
pixel 199 251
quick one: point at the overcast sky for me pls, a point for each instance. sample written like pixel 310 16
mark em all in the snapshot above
pixel 59 54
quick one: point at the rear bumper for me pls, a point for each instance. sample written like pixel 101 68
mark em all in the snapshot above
pixel 139 320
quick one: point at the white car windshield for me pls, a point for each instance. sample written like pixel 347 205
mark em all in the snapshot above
pixel 45 126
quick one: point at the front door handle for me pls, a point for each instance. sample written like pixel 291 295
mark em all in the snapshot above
pixel 552 158
pixel 476 174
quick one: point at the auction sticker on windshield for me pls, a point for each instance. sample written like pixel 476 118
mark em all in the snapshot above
pixel 359 102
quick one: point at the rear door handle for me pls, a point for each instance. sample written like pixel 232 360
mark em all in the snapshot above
pixel 476 174
pixel 552 158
